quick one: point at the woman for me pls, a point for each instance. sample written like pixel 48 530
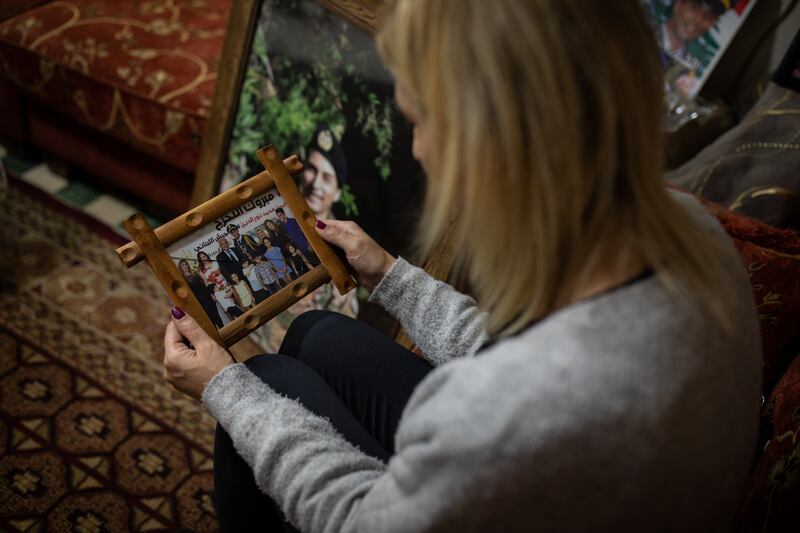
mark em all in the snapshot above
pixel 210 273
pixel 201 291
pixel 274 255
pixel 208 270
pixel 610 368
pixel 277 235
pixel 299 263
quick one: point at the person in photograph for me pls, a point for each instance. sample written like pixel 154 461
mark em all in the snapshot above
pixel 604 374
pixel 241 292
pixel 246 245
pixel 260 292
pixel 689 20
pixel 292 229
pixel 208 270
pixel 200 289
pixel 229 260
pixel 261 234
pixel 324 172
pixel 224 296
pixel 297 260
pixel 276 259
pixel 277 235
pixel 322 182
pixel 266 275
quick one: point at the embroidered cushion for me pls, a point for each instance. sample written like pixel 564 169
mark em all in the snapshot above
pixel 772 258
pixel 754 168
pixel 142 72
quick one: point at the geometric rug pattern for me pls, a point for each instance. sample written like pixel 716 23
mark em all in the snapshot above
pixel 91 436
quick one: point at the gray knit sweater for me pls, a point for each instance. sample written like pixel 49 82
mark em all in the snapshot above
pixel 625 412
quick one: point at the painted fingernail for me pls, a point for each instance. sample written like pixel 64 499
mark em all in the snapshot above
pixel 321 224
pixel 178 313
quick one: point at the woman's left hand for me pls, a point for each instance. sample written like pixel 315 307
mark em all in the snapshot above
pixel 190 369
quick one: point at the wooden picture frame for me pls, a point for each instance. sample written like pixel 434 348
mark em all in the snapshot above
pixel 152 245
pixel 242 23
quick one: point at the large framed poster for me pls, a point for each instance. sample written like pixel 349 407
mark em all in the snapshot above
pixel 305 76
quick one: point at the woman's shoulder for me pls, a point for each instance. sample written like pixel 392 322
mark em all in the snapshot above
pixel 638 339
pixel 634 358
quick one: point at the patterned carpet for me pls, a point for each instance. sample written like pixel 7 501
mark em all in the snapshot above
pixel 91 437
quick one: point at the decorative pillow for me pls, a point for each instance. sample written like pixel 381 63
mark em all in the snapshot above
pixel 772 258
pixel 772 503
pixel 754 168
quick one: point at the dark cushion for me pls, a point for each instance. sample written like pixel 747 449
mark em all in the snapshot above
pixel 754 168
pixel 773 497
pixel 772 257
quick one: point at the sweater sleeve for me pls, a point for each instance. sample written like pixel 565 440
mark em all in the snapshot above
pixel 443 322
pixel 324 484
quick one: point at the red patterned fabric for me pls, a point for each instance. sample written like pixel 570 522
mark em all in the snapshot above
pixel 773 498
pixel 109 161
pixel 772 257
pixel 143 72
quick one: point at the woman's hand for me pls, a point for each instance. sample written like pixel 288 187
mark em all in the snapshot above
pixel 366 256
pixel 190 369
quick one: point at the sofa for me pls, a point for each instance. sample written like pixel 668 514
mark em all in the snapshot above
pixel 119 90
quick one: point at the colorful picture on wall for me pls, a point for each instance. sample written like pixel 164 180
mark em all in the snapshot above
pixel 693 35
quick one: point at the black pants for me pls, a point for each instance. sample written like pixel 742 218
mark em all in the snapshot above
pixel 339 368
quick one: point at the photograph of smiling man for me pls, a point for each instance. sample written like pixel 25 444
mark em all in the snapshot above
pixel 325 172
pixel 327 98
pixel 693 35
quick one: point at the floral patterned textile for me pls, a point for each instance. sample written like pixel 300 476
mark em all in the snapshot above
pixel 773 499
pixel 142 72
pixel 772 256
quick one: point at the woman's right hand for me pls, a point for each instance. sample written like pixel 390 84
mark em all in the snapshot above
pixel 366 256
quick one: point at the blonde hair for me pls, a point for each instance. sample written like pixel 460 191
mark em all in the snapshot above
pixel 545 124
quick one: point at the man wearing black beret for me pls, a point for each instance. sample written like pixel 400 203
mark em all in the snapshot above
pixel 690 19
pixel 325 172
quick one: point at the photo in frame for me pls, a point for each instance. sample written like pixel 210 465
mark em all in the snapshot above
pixel 238 260
pixel 244 257
pixel 306 76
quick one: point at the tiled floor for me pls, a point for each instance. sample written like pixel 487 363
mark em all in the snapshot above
pixel 80 195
